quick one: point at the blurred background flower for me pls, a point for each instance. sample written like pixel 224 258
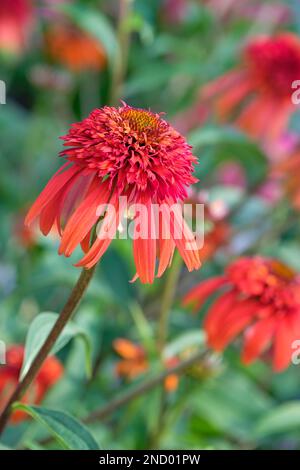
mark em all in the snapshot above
pixel 49 374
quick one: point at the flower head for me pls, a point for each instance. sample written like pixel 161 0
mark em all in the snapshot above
pixel 113 154
pixel 260 297
pixel 48 375
pixel 74 48
pixel 257 95
pixel 16 19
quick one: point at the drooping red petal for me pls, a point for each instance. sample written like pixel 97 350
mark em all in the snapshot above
pixel 257 339
pixel 85 243
pixel 287 331
pixel 166 247
pixel 85 216
pixel 236 320
pixel 231 322
pixel 184 239
pixel 56 183
pixel 279 122
pixel 213 323
pixel 51 213
pixel 226 103
pixel 200 293
pixel 222 83
pixel 144 249
pixel 255 117
pixel 105 235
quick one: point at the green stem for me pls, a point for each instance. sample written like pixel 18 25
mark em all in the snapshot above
pixel 143 388
pixel 65 315
pixel 168 298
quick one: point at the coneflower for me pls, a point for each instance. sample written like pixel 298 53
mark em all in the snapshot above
pixel 118 152
pixel 258 296
pixel 257 94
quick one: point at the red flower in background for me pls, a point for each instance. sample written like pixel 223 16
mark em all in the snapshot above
pixel 259 296
pixel 121 152
pixel 257 95
pixel 16 18
pixel 74 48
pixel 134 363
pixel 48 375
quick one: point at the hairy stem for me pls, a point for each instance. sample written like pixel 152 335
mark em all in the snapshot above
pixel 65 315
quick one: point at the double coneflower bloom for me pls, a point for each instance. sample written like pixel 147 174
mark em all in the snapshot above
pixel 129 160
pixel 257 95
pixel 258 296
pixel 49 374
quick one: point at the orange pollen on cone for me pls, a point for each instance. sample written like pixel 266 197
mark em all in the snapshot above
pixel 140 120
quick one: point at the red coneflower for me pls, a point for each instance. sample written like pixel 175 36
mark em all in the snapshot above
pixel 48 375
pixel 121 152
pixel 16 19
pixel 259 295
pixel 74 48
pixel 257 95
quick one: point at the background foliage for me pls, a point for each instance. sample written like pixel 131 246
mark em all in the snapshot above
pixel 219 404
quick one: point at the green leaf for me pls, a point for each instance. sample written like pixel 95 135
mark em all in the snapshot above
pixel 96 24
pixel 285 418
pixel 38 332
pixel 229 144
pixel 68 432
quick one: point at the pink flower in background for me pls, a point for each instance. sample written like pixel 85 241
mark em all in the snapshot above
pixel 174 11
pixel 231 174
pixel 269 14
pixel 277 150
pixel 16 21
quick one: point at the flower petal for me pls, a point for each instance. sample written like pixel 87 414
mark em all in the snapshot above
pixel 56 183
pixel 144 249
pixel 257 339
pixel 200 293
